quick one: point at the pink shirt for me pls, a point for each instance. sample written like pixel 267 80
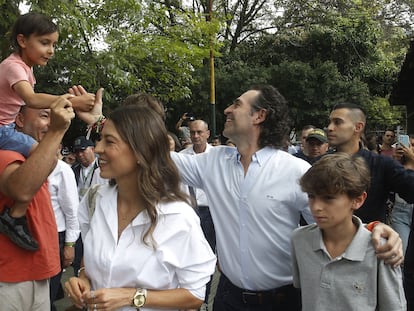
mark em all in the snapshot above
pixel 12 70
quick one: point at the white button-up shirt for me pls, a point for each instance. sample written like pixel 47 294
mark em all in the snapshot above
pixel 181 258
pixel 199 194
pixel 64 196
pixel 253 215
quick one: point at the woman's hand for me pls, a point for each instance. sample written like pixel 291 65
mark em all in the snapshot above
pixel 89 117
pixel 108 298
pixel 75 288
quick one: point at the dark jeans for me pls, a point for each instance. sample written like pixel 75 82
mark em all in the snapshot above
pixel 56 290
pixel 231 298
pixel 409 290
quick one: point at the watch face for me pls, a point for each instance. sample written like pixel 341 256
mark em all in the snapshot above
pixel 139 300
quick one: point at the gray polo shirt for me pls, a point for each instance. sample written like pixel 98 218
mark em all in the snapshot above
pixel 357 280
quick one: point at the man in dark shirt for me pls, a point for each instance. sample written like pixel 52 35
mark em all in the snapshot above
pixel 346 125
pixel 316 145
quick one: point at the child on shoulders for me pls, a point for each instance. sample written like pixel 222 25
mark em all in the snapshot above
pixel 33 37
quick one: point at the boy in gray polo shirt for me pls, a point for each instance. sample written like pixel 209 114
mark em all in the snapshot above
pixel 334 262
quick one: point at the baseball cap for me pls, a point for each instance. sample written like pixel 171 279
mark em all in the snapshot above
pixel 318 134
pixel 81 143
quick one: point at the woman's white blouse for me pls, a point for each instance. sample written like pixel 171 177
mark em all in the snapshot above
pixel 182 258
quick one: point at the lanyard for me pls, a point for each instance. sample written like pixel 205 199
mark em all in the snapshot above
pixel 87 177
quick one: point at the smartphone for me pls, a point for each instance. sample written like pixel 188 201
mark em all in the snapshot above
pixel 404 140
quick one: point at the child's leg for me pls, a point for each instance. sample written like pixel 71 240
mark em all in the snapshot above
pixel 13 223
pixel 18 210
pixel 10 139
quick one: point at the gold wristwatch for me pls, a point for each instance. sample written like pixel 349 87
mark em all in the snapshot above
pixel 139 298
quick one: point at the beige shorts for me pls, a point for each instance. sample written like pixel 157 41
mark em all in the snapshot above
pixel 25 296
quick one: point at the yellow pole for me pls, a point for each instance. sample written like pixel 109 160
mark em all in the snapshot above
pixel 212 79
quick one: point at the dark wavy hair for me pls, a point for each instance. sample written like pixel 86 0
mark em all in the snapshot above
pixel 278 122
pixel 158 179
pixel 31 23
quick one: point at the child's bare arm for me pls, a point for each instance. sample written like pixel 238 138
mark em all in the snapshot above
pixel 32 99
pixel 84 102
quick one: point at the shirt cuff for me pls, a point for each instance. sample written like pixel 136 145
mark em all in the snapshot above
pixel 71 235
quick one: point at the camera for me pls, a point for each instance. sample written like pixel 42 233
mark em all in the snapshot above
pixel 190 116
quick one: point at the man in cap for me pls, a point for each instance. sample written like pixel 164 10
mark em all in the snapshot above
pixel 87 173
pixel 87 164
pixel 316 144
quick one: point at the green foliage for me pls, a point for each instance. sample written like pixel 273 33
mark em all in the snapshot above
pixel 9 11
pixel 324 52
pixel 125 47
pixel 317 52
pixel 312 91
pixel 381 116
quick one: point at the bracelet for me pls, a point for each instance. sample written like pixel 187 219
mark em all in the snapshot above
pixel 80 270
pixel 371 225
pixel 70 244
pixel 96 128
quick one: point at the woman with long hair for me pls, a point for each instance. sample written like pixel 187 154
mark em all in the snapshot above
pixel 143 244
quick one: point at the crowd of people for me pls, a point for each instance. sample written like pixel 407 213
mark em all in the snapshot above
pixel 146 216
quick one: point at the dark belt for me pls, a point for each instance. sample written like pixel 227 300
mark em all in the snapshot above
pixel 273 296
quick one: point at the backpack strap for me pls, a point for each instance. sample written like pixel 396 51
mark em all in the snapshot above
pixel 92 193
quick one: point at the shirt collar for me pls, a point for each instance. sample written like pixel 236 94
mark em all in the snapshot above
pixel 356 250
pixel 90 166
pixel 260 156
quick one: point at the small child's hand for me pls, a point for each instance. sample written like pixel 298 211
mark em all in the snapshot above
pixel 84 102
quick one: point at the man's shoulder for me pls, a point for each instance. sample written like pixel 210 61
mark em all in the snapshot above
pixel 288 160
pixel 64 167
pixel 209 148
pixel 369 156
pixel 305 232
pixel 7 157
pixel 76 167
pixel 301 155
pixel 375 160
pixel 12 60
pixel 188 150
pixel 10 153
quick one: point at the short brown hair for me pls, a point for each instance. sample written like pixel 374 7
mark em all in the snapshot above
pixel 335 174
